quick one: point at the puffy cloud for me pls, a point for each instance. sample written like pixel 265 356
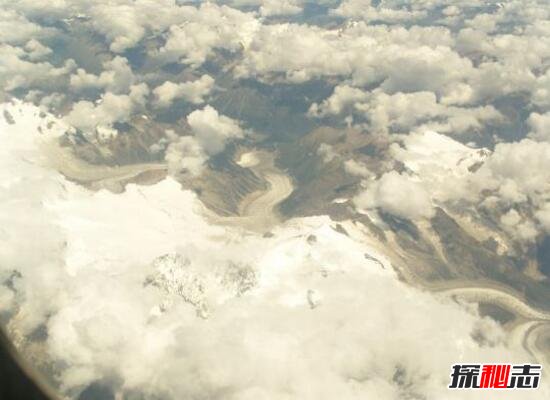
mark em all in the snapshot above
pixel 122 24
pixel 526 51
pixel 213 130
pixel 206 29
pixel 296 52
pixel 366 10
pixel 280 7
pixel 404 111
pixel 126 23
pixel 514 58
pixel 540 125
pixel 343 97
pixel 116 307
pixel 193 91
pixel 483 22
pixel 517 227
pixel 51 101
pixel 269 8
pixel 423 68
pixel 463 67
pixel 502 52
pixel 117 77
pixel 52 9
pixel 541 93
pixel 407 60
pixel 397 194
pixel 17 29
pixel 36 50
pixel 451 11
pixel 543 216
pixel 526 163
pixel 111 108
pixel 17 72
pixel 185 155
pixel 357 168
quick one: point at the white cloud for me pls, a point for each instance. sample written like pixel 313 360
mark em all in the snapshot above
pixel 126 23
pixel 16 72
pixel 540 125
pixel 117 77
pixel 527 163
pixel 185 155
pixel 51 101
pixel 364 9
pixel 17 29
pixel 280 7
pixel 541 93
pixel 111 108
pixel 343 98
pixel 192 91
pixel 36 50
pixel 213 130
pixel 514 224
pixel 467 66
pixel 357 168
pixel 122 24
pixel 402 112
pixel 397 194
pixel 206 29
pixel 404 60
pixel 270 8
pixel 543 216
pixel 296 52
pixel 483 22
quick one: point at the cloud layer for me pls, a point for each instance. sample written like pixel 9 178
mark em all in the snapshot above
pixel 444 104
